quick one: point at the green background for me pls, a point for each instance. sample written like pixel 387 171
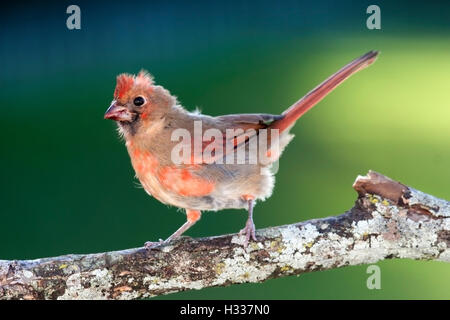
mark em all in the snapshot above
pixel 67 183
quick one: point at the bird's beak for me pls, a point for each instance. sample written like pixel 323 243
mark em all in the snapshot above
pixel 118 113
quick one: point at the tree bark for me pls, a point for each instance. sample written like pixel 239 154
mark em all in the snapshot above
pixel 389 220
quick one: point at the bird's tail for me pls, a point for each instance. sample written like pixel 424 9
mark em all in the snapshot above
pixel 318 93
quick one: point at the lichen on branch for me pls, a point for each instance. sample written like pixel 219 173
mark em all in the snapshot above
pixel 389 220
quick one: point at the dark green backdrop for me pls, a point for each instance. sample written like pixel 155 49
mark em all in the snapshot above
pixel 67 184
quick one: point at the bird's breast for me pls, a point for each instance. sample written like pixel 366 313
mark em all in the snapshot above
pixel 184 181
pixel 145 164
pixel 168 183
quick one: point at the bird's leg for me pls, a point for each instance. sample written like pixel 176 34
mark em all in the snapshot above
pixel 249 229
pixel 192 217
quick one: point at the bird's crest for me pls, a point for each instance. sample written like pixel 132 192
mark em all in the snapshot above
pixel 126 81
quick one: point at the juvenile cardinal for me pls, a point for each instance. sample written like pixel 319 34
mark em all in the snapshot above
pixel 201 175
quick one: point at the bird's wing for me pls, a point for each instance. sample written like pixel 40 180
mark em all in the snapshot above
pixel 251 120
pixel 243 126
pixel 246 122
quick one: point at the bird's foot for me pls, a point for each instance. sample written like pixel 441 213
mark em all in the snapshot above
pixel 153 244
pixel 249 232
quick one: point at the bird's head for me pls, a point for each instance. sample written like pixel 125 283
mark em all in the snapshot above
pixel 138 102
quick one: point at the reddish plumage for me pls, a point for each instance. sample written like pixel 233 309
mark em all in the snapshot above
pixel 318 93
pixel 183 182
pixel 124 83
pixel 148 115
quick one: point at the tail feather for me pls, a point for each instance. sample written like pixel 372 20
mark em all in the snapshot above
pixel 318 93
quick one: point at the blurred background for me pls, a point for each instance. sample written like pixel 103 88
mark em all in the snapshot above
pixel 67 185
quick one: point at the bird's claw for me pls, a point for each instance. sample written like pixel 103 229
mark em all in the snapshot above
pixel 153 244
pixel 249 232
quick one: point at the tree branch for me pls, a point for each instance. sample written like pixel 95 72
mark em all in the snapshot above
pixel 389 220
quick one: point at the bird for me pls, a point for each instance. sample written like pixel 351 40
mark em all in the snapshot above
pixel 191 161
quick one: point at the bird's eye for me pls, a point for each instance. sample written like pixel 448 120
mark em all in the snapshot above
pixel 139 101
